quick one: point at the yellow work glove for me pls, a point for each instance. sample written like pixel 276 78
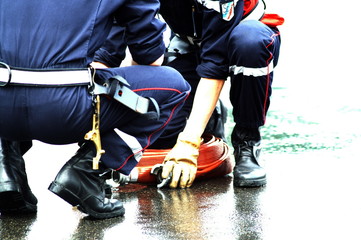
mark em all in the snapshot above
pixel 181 161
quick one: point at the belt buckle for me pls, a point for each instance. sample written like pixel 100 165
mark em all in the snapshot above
pixel 3 84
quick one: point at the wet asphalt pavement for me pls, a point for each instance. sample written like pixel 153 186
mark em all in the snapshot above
pixel 309 195
pixel 311 150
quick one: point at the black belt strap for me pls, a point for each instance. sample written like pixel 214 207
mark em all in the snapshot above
pixel 118 88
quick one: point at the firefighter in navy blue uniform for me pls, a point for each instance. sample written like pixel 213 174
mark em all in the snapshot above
pixel 50 93
pixel 215 40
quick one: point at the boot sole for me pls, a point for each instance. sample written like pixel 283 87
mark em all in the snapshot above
pixel 12 202
pixel 74 200
pixel 249 183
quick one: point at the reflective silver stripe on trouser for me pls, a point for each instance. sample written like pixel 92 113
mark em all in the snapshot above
pixel 255 72
pixel 132 143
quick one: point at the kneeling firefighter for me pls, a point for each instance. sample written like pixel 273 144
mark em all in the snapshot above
pixel 211 42
pixel 54 96
pixel 215 41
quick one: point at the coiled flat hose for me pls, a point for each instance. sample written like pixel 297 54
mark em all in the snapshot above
pixel 214 161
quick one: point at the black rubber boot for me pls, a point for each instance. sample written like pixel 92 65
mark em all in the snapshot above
pixel 82 186
pixel 15 194
pixel 247 172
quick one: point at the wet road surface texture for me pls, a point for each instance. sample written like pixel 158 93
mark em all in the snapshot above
pixel 311 150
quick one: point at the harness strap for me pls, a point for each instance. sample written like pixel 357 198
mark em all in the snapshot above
pixel 118 88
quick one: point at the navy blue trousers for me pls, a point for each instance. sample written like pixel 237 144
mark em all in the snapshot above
pixel 253 52
pixel 63 115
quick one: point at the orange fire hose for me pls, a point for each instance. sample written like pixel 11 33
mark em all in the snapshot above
pixel 214 160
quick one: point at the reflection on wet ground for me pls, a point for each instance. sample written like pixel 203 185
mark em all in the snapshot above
pixel 310 126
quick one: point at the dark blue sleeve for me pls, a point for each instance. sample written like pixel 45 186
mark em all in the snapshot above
pixel 143 30
pixel 112 53
pixel 215 34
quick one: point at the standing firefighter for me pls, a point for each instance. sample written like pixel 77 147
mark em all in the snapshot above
pixel 49 93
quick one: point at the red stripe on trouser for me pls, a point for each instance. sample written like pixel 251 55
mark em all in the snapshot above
pixel 163 126
pixel 268 75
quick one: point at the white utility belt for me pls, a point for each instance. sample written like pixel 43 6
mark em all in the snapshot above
pixel 116 87
pixel 44 78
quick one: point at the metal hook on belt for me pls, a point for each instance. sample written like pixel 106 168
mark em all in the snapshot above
pixel 94 134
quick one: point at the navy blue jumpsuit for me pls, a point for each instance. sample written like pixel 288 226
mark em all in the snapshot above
pixel 47 35
pixel 218 47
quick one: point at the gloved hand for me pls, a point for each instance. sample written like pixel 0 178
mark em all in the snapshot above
pixel 182 161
